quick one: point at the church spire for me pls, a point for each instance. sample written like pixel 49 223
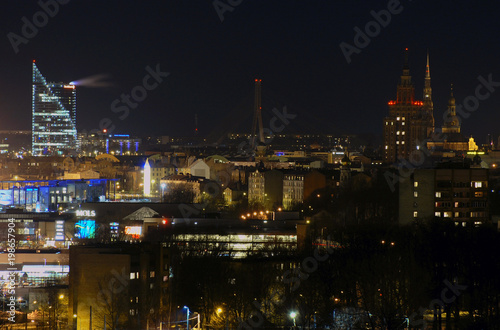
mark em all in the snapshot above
pixel 427 68
pixel 427 87
pixel 451 120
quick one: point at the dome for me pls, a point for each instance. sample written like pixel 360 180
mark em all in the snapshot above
pixel 451 101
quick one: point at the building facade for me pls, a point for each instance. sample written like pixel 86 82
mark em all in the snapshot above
pixel 53 117
pixel 410 121
pixel 256 187
pixel 453 194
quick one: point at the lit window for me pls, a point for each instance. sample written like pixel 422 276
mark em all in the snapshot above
pixel 397 142
pixel 403 133
pixel 415 184
pixel 402 123
pixel 132 276
pixel 397 132
pixel 402 142
pixel 447 214
pixel 478 184
pixel 152 273
pixel 415 194
pixel 415 214
pixel 403 118
pixel 386 147
pixel 437 214
pixel 438 194
pixel 398 118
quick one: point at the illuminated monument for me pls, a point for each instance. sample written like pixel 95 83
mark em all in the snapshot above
pixel 147 179
pixel 53 117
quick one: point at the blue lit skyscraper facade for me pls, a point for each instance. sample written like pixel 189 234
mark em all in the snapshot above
pixel 53 117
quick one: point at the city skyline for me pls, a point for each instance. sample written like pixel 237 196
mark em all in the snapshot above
pixel 206 66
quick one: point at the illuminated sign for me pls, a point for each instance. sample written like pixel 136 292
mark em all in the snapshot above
pixel 134 231
pixel 85 229
pixel 5 197
pixel 69 86
pixel 85 213
pixel 113 226
pixel 59 230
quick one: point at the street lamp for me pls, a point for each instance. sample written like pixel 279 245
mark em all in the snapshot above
pixel 293 315
pixel 220 310
pixel 163 185
pixel 187 318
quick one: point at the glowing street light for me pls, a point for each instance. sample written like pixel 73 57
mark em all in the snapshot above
pixel 187 318
pixel 293 315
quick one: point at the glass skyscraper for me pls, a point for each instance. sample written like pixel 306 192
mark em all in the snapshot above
pixel 53 117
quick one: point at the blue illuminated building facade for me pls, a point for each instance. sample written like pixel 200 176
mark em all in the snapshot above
pixel 52 195
pixel 53 117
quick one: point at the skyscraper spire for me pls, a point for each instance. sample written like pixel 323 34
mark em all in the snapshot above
pixel 405 78
pixel 406 91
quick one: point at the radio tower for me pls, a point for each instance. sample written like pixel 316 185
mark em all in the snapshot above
pixel 257 114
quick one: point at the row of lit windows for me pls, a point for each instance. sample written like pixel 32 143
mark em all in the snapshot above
pixel 445 184
pixel 448 214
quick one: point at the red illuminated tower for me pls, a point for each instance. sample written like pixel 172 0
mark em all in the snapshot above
pixel 409 122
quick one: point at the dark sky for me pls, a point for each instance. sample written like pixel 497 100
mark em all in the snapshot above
pixel 293 46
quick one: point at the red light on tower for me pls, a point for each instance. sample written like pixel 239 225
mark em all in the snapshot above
pixel 33 61
pixel 406 48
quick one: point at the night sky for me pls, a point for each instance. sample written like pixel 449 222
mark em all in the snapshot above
pixel 293 46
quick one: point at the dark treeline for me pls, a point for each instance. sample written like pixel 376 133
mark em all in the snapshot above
pixel 426 275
